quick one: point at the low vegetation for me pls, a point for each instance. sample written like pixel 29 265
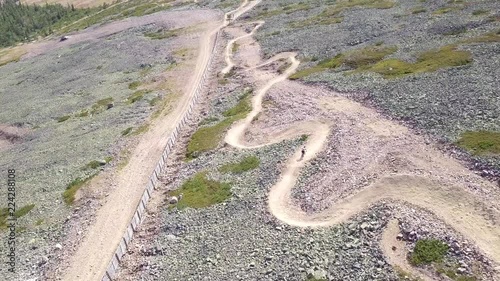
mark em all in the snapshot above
pixel 63 118
pixel 4 214
pixel 427 251
pixel 480 142
pixel 246 164
pixel 127 131
pixel 418 10
pixel 428 61
pixel 100 105
pixel 333 14
pixel 359 59
pixel 490 37
pixel 163 34
pixel 9 55
pixel 207 138
pixel 141 129
pixel 94 164
pixel 288 9
pixel 201 192
pixel 73 187
pixel 137 96
pixel 134 85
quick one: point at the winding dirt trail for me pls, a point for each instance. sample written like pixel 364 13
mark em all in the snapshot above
pixel 94 253
pixel 471 217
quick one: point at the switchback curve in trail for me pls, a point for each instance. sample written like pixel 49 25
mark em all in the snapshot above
pixel 468 217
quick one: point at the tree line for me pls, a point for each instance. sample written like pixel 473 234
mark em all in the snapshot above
pixel 20 22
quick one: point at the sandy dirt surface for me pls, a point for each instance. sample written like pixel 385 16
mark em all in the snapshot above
pixel 429 179
pixel 395 251
pixel 94 253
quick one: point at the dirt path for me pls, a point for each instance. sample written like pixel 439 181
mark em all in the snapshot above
pixel 95 252
pixel 395 251
pixel 457 207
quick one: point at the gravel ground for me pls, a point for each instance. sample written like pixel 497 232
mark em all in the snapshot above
pixel 240 240
pixel 51 154
pixel 444 103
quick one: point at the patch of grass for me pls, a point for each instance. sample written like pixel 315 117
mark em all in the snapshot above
pixel 444 10
pixel 223 81
pixel 235 47
pixel 134 85
pixel 24 211
pixel 428 251
pixel 127 131
pixel 181 52
pixel 100 105
pixel 246 164
pixel 490 37
pixel 94 164
pixel 284 66
pixel 359 59
pixel 137 96
pixel 141 129
pixel 39 222
pixel 242 108
pixel 11 55
pixel 304 137
pixel 288 9
pixel 480 12
pixel 480 142
pixel 207 138
pixel 72 188
pixel 426 62
pixel 201 192
pixel 163 34
pixel 154 101
pixel 332 14
pixel 83 113
pixel 208 121
pixel 418 10
pixel 63 118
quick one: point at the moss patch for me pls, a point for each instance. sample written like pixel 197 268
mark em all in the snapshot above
pixel 490 37
pixel 480 142
pixel 100 105
pixel 428 251
pixel 201 192
pixel 246 164
pixel 163 34
pixel 134 85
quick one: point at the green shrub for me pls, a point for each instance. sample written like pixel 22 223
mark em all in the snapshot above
pixel 480 142
pixel 200 192
pixel 246 164
pixel 428 251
